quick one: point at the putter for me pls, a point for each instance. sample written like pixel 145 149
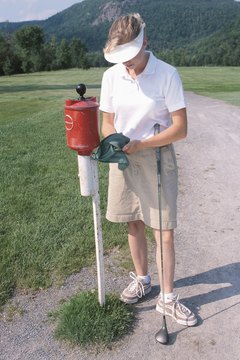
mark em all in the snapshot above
pixel 162 335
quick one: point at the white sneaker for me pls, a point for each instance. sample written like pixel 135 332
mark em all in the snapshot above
pixel 179 312
pixel 135 290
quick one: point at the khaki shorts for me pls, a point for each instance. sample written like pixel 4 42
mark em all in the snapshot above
pixel 133 192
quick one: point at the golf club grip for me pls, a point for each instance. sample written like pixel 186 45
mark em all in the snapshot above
pixel 158 150
pixel 156 129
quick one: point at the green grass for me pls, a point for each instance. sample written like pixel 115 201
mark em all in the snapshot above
pixel 221 83
pixel 46 226
pixel 83 321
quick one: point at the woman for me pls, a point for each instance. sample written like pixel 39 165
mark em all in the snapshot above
pixel 137 93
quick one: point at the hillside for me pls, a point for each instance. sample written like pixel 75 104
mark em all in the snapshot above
pixel 171 23
pixel 223 47
pixel 220 48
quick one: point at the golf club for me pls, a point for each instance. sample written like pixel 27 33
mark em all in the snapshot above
pixel 162 335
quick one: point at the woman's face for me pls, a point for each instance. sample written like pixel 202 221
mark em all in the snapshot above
pixel 137 63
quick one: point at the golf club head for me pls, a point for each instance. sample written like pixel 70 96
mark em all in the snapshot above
pixel 162 335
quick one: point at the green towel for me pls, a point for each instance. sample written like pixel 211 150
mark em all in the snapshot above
pixel 110 150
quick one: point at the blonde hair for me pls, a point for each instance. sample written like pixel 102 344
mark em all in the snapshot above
pixel 123 30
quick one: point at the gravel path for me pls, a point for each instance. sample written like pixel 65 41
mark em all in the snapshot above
pixel 207 269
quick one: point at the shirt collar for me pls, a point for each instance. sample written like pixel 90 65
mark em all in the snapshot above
pixel 151 65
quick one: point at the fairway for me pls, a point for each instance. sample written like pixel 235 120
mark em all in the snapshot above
pixel 46 227
pixel 221 83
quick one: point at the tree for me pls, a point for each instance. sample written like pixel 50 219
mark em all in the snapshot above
pixel 63 55
pixel 29 41
pixel 8 67
pixel 77 51
pixel 97 59
pixel 3 53
pixel 30 38
pixel 49 55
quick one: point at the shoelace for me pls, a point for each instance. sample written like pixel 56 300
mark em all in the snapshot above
pixel 180 306
pixel 136 285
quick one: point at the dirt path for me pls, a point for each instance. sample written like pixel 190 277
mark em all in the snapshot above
pixel 207 269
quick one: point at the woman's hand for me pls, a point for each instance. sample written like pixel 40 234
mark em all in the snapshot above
pixel 132 147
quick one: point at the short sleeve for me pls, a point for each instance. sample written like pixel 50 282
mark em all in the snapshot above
pixel 174 96
pixel 106 99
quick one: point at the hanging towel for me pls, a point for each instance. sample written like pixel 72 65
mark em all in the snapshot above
pixel 110 150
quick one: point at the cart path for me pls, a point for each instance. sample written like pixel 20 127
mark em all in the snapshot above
pixel 207 267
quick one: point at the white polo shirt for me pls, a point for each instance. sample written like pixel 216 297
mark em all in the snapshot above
pixel 141 103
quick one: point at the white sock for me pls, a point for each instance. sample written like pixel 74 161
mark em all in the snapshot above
pixel 145 278
pixel 168 297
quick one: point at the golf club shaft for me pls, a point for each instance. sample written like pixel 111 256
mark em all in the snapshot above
pixel 158 156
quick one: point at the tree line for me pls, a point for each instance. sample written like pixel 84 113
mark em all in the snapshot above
pixel 27 51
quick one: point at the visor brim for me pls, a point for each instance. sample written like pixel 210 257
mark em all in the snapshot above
pixel 126 52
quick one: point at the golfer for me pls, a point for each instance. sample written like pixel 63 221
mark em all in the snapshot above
pixel 138 92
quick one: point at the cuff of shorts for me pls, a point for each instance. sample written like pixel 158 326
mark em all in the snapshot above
pixel 169 225
pixel 166 225
pixel 123 218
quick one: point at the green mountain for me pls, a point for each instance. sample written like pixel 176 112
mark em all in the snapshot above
pixel 170 23
pixel 221 48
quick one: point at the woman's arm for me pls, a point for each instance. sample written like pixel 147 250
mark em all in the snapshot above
pixel 177 131
pixel 107 124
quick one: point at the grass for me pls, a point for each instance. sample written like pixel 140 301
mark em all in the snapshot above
pixel 83 321
pixel 221 83
pixel 46 227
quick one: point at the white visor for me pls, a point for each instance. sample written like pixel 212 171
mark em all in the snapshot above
pixel 126 52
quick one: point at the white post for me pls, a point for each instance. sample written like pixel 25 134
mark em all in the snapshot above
pixel 98 235
pixel 85 174
pixel 89 186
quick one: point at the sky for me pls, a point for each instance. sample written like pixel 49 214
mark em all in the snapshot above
pixel 22 10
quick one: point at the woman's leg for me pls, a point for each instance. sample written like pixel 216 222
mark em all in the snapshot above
pixel 138 246
pixel 173 307
pixel 141 282
pixel 168 258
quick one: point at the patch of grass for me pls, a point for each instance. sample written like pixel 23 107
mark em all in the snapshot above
pixel 83 321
